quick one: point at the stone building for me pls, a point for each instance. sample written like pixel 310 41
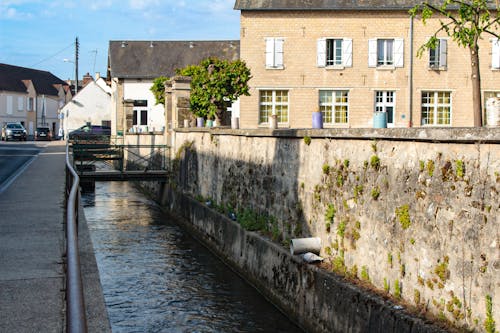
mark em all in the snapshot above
pixel 132 67
pixel 349 59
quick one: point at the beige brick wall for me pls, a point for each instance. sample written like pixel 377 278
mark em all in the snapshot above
pixel 304 79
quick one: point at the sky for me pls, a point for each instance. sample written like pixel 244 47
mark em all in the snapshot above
pixel 41 34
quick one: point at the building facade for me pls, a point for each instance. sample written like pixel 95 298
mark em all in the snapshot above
pixel 31 97
pixel 132 68
pixel 350 60
pixel 92 105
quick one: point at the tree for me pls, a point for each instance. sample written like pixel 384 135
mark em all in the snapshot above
pixel 158 89
pixel 215 83
pixel 464 21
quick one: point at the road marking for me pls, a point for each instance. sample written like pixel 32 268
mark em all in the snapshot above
pixel 56 153
pixel 5 185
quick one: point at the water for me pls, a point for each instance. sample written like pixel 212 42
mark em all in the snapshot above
pixel 156 278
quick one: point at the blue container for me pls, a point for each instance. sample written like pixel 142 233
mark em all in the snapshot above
pixel 200 122
pixel 380 120
pixel 317 120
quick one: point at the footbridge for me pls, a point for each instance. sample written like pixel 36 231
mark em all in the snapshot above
pixel 107 161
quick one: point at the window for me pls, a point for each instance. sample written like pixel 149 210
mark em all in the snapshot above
pixel 386 52
pixel 140 117
pixel 385 102
pixel 495 53
pixel 334 52
pixel 438 55
pixel 334 104
pixel 436 108
pixel 20 103
pixel 30 104
pixel 273 102
pixel 274 53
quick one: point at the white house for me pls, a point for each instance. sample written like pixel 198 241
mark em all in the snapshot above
pixel 92 105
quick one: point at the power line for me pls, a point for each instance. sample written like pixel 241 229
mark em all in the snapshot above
pixel 55 54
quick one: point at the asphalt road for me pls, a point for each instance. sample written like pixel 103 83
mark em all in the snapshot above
pixel 14 157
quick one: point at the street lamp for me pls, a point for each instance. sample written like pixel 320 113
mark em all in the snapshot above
pixel 76 74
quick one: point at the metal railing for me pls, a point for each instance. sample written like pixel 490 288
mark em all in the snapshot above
pixel 76 321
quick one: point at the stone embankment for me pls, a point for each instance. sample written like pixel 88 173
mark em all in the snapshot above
pixel 412 213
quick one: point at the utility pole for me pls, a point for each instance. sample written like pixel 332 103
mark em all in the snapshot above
pixel 77 45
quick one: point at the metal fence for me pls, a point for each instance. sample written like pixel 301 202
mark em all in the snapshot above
pixel 75 306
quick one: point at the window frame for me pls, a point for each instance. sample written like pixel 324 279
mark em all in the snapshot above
pixel 335 107
pixel 30 104
pixel 274 104
pixel 275 52
pixel 438 57
pixel 433 108
pixel 495 53
pixel 397 53
pixel 322 56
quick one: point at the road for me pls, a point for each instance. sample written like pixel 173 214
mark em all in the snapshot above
pixel 14 158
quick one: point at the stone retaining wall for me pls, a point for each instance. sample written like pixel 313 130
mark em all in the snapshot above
pixel 412 212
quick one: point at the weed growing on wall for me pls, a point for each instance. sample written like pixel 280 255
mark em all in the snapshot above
pixel 397 289
pixel 489 323
pixel 403 216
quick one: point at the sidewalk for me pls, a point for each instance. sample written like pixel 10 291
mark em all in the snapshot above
pixel 32 244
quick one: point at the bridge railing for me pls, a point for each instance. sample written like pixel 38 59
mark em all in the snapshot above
pixel 76 321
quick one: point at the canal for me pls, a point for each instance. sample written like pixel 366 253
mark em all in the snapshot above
pixel 157 278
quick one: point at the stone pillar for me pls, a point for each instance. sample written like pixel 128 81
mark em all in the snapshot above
pixel 128 112
pixel 181 92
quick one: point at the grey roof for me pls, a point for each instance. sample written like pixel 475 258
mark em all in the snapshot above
pixel 150 59
pixel 11 79
pixel 325 4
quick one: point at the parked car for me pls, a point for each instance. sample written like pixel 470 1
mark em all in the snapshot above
pixel 14 131
pixel 43 133
pixel 90 132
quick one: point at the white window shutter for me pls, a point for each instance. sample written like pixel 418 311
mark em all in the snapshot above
pixel 347 52
pixel 278 52
pixel 269 52
pixel 9 104
pixel 443 52
pixel 398 52
pixel 372 53
pixel 321 52
pixel 495 53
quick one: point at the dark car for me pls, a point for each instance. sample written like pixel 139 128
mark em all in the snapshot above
pixel 43 133
pixel 14 131
pixel 90 132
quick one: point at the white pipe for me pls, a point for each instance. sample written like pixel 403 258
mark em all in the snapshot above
pixel 304 245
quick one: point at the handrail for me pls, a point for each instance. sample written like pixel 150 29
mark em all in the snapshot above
pixel 76 321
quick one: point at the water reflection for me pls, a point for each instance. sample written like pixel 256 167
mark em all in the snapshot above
pixel 156 278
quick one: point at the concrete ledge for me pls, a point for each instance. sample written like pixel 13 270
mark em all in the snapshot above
pixel 95 308
pixel 317 300
pixel 422 134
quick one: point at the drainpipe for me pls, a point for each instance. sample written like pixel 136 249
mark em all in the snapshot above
pixel 410 78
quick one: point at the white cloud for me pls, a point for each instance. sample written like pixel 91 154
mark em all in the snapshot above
pixel 97 5
pixel 142 4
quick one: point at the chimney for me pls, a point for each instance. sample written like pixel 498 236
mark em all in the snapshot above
pixel 97 75
pixel 87 78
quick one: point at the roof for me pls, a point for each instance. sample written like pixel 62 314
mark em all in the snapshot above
pixel 325 4
pixel 12 77
pixel 151 59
